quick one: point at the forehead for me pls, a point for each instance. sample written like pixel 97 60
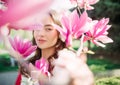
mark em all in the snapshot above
pixel 46 19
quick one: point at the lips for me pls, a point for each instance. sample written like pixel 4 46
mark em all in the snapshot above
pixel 41 41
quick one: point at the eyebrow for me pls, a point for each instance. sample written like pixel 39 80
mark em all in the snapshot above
pixel 47 25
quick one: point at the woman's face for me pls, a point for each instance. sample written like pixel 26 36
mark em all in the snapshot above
pixel 47 36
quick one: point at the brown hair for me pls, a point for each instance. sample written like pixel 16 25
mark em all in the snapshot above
pixel 59 45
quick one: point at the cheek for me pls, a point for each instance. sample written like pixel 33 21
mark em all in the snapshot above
pixel 54 37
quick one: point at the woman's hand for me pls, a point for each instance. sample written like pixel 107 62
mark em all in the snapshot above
pixel 77 68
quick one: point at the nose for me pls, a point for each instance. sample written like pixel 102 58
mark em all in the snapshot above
pixel 40 32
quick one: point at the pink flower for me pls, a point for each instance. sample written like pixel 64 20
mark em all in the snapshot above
pixel 22 13
pixel 42 66
pixel 85 3
pixel 23 47
pixel 73 26
pixel 98 32
pixel 80 24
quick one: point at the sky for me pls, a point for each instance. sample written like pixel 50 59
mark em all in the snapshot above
pixel 61 4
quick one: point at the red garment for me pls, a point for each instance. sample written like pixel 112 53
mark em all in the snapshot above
pixel 18 80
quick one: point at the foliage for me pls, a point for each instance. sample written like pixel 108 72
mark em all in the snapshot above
pixel 7 68
pixel 115 47
pixel 1 45
pixel 108 81
pixel 109 9
pixel 5 64
pixel 97 65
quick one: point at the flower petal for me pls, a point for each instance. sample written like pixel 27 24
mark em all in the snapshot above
pixel 104 39
pixel 29 51
pixel 22 13
pixel 98 43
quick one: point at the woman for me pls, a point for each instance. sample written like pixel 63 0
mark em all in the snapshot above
pixel 52 48
pixel 47 40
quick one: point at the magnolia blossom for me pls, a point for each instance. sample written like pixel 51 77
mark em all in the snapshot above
pixel 43 66
pixel 85 3
pixel 22 13
pixel 80 24
pixel 73 26
pixel 98 32
pixel 25 48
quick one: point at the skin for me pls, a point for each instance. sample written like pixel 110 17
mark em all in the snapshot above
pixel 46 38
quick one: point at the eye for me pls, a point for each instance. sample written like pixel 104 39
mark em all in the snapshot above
pixel 48 29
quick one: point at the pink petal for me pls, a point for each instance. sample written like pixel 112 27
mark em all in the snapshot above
pixel 82 21
pixel 103 31
pixel 29 51
pixel 41 65
pixel 101 27
pixel 42 60
pixel 65 22
pixel 37 64
pixel 18 10
pixel 34 27
pixel 92 28
pixel 20 45
pixel 25 48
pixel 93 1
pixel 74 20
pixel 104 39
pixel 13 43
pixel 98 43
pixel 26 45
pixel 83 25
pixel 86 4
pixel 62 31
pixel 69 40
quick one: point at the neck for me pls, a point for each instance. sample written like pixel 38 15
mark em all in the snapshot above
pixel 46 53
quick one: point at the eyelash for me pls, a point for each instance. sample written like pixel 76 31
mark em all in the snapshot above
pixel 48 29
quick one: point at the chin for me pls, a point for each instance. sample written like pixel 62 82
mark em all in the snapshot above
pixel 41 47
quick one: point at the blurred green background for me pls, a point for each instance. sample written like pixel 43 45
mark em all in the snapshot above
pixel 104 62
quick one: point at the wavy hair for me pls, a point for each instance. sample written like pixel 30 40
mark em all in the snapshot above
pixel 59 45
